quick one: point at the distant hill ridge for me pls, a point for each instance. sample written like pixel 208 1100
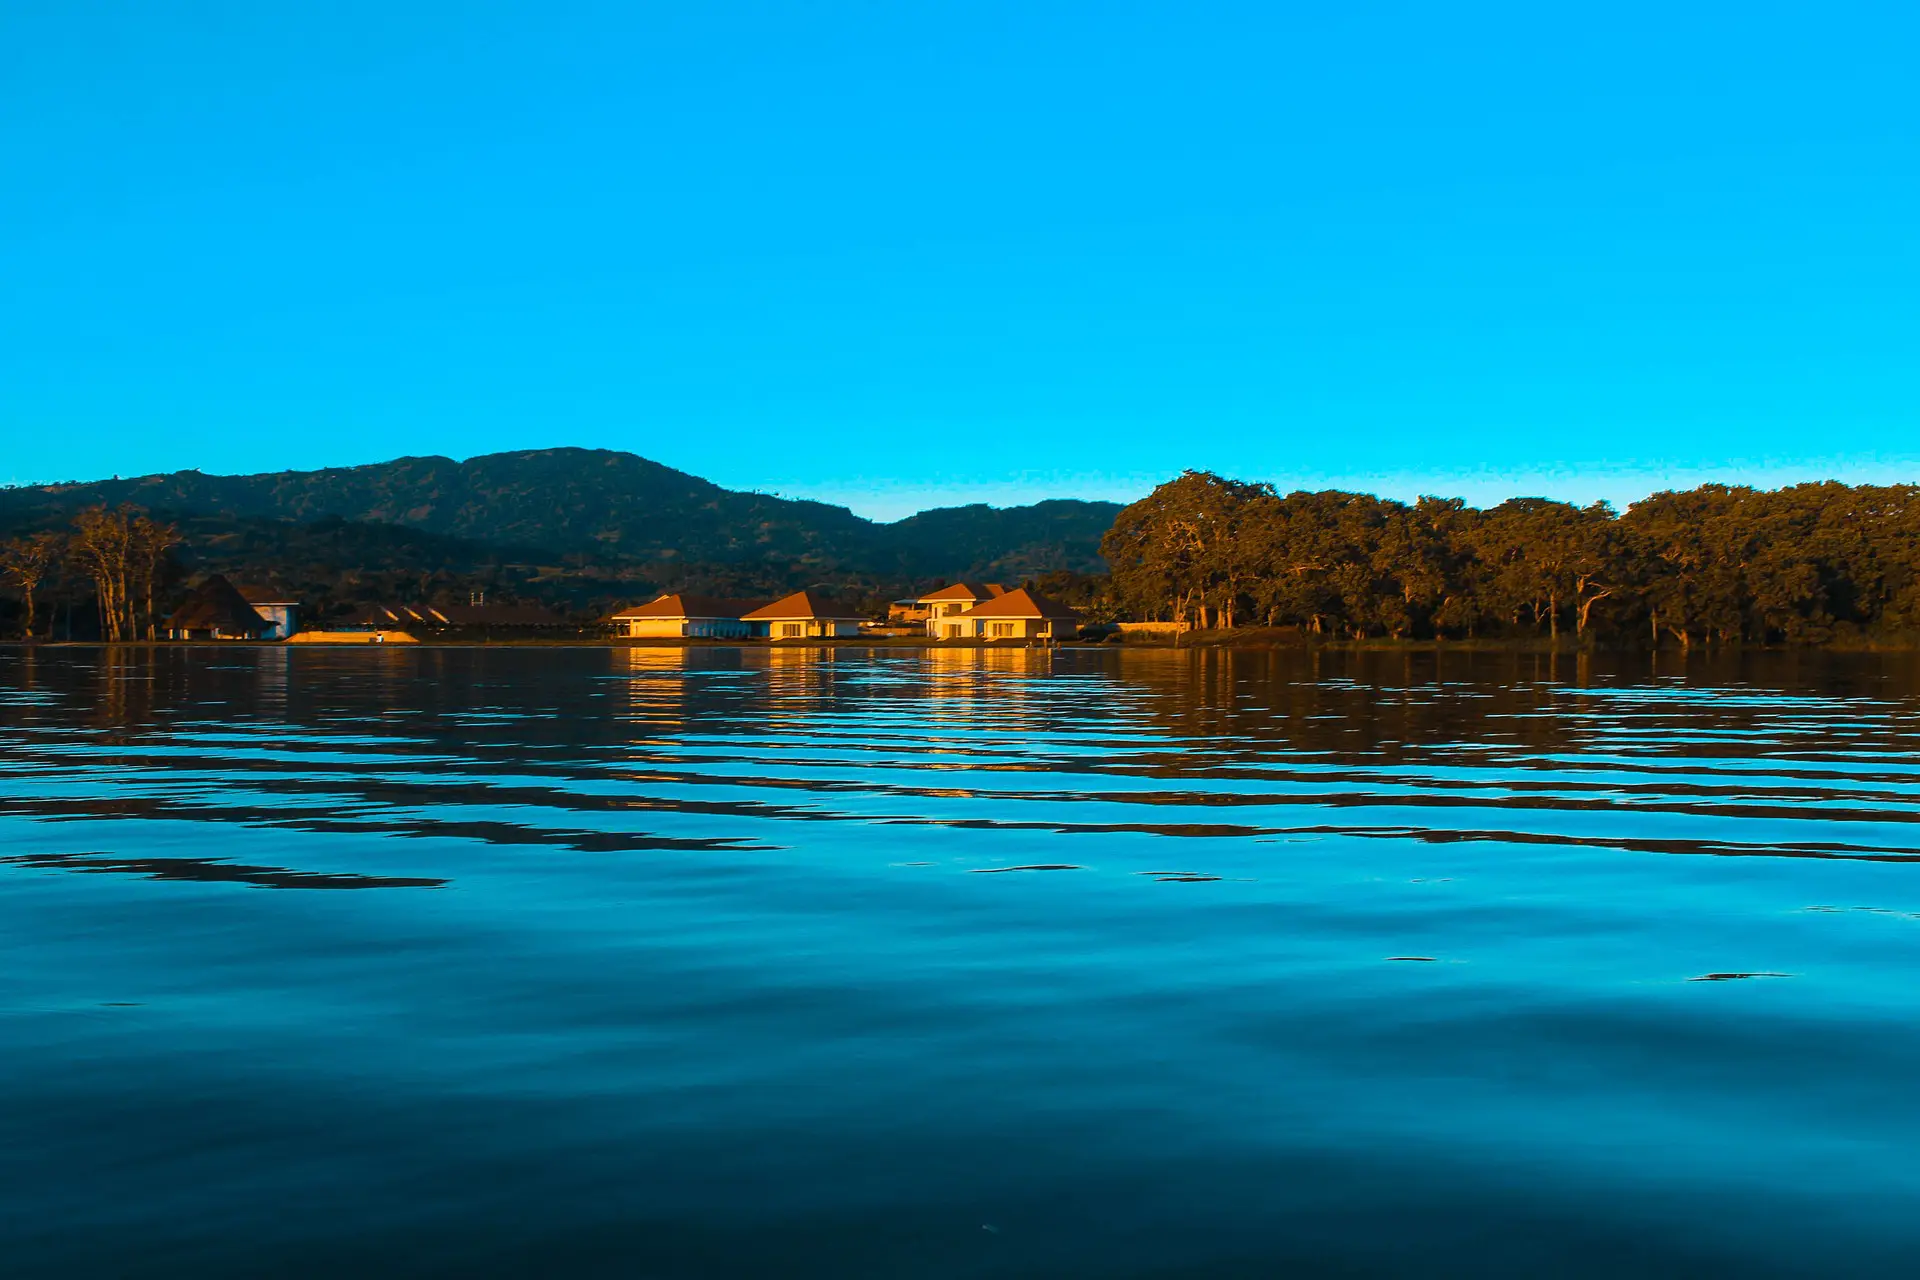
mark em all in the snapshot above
pixel 607 506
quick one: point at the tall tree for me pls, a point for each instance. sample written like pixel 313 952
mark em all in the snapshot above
pixel 29 561
pixel 124 552
pixel 1712 565
pixel 149 544
pixel 1182 549
pixel 102 543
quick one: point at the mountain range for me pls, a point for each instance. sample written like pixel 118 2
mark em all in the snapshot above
pixel 582 525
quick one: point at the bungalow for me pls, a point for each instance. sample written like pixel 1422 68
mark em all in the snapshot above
pixel 216 611
pixel 803 615
pixel 685 616
pixel 949 603
pixel 1016 615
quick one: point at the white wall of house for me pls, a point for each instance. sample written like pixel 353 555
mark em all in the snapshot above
pixel 653 628
pixel 1004 629
pixel 942 619
pixel 672 628
pixel 811 628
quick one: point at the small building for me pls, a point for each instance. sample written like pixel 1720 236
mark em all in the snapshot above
pixel 376 617
pixel 1016 615
pixel 479 615
pixel 949 603
pixel 475 616
pixel 281 614
pixel 685 616
pixel 216 611
pixel 804 615
pixel 908 612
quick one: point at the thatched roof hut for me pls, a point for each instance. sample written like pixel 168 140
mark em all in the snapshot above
pixel 216 611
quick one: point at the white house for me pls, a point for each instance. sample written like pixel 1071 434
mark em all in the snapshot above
pixel 708 617
pixel 1016 615
pixel 804 615
pixel 945 606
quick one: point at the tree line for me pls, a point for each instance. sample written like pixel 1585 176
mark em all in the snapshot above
pixel 1809 564
pixel 123 553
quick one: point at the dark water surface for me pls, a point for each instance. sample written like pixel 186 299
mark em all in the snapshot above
pixel 582 962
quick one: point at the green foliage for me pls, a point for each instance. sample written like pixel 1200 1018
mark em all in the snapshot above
pixel 583 530
pixel 597 506
pixel 1715 564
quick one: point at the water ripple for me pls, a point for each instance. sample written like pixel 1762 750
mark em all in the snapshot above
pixel 812 962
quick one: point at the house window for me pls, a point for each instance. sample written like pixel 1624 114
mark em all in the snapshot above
pixel 1001 630
pixel 789 630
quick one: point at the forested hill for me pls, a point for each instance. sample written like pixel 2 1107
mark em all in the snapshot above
pixel 599 506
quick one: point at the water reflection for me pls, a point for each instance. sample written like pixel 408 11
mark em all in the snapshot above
pixel 1431 747
pixel 812 961
pixel 210 871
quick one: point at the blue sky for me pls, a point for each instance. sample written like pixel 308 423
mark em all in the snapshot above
pixel 901 255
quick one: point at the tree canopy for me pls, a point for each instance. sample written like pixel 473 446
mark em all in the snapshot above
pixel 1806 564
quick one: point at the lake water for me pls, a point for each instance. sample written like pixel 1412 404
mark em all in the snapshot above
pixel 898 964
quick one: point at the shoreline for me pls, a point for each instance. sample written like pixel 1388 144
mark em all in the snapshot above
pixel 1203 641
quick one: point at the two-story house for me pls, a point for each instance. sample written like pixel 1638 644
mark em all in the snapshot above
pixel 1014 615
pixel 945 606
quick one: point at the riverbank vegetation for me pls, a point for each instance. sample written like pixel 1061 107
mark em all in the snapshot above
pixel 1239 563
pixel 121 557
pixel 1810 564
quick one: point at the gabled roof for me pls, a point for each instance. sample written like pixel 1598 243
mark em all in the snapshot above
pixel 216 606
pixel 1021 604
pixel 809 605
pixel 966 591
pixel 686 606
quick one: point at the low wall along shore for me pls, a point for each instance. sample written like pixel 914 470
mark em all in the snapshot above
pixel 351 637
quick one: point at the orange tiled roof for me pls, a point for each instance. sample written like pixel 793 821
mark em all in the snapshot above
pixel 810 605
pixel 686 606
pixel 1021 604
pixel 966 591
